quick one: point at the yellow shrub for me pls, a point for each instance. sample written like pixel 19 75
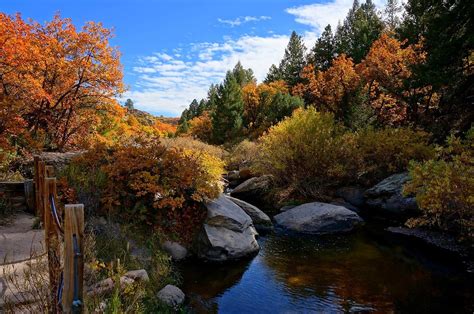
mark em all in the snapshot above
pixel 308 153
pixel 186 142
pixel 389 151
pixel 444 188
pixel 243 153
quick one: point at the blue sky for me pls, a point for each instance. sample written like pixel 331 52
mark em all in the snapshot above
pixel 172 50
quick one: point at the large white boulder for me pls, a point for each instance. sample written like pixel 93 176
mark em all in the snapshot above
pixel 228 232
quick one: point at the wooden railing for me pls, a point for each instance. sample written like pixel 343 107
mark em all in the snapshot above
pixel 66 278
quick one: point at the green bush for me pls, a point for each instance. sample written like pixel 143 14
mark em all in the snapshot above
pixel 444 188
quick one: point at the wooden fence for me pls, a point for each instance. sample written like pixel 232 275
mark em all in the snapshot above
pixel 64 227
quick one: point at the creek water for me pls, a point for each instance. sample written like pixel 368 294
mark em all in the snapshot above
pixel 362 272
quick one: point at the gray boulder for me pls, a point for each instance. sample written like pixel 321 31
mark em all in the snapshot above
pixel 351 194
pixel 387 196
pixel 171 295
pixel 228 232
pixel 260 220
pixel 287 207
pixel 318 218
pixel 175 250
pixel 253 188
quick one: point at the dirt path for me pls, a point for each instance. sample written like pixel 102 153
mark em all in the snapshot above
pixel 19 241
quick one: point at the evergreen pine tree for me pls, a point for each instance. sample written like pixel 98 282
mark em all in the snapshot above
pixel 293 60
pixel 361 27
pixel 241 75
pixel 391 12
pixel 227 115
pixel 129 104
pixel 323 51
pixel 273 74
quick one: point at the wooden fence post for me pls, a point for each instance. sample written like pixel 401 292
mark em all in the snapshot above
pixel 72 299
pixel 40 176
pixel 52 243
pixel 49 171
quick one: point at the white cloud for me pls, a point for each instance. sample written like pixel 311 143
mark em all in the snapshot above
pixel 318 15
pixel 243 19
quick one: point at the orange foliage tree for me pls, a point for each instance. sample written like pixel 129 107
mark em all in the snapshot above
pixel 201 127
pixel 328 90
pixel 257 101
pixel 387 73
pixel 53 78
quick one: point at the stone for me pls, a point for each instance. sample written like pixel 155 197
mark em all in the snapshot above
pixel 347 205
pixel 352 195
pixel 227 233
pixel 233 175
pixel 387 197
pixel 287 207
pixel 171 295
pixel 108 285
pixel 260 220
pixel 175 250
pixel 318 218
pixel 253 188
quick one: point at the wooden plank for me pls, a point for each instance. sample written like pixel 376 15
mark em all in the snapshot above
pixel 73 263
pixel 52 244
pixel 49 171
pixel 40 177
pixel 30 195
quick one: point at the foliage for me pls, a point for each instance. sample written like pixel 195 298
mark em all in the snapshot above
pixel 292 63
pixel 308 153
pixel 324 50
pixel 53 78
pixel 244 153
pixel 360 28
pixel 200 127
pixel 386 72
pixel 265 105
pixel 444 188
pixel 146 180
pixel 329 90
pixel 390 150
pixel 446 29
pixel 227 116
pixel 187 143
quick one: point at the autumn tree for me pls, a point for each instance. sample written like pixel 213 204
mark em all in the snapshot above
pixel 329 90
pixel 201 127
pixel 387 72
pixel 56 76
pixel 266 104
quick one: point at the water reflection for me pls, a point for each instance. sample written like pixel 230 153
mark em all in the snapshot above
pixel 350 273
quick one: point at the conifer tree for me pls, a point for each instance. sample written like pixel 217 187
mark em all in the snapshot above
pixel 293 61
pixel 391 12
pixel 227 115
pixel 273 74
pixel 323 51
pixel 361 27
pixel 241 75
